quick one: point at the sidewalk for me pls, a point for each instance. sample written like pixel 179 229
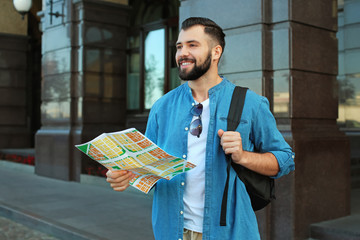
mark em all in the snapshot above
pixel 10 230
pixel 70 210
pixel 83 211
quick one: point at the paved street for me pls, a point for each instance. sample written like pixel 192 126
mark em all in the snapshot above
pixel 70 210
pixel 90 210
pixel 10 230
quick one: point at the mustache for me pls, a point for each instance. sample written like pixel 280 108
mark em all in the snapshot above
pixel 186 59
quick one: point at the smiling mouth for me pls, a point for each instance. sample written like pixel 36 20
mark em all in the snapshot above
pixel 184 63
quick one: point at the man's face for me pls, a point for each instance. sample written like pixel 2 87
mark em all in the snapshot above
pixel 193 55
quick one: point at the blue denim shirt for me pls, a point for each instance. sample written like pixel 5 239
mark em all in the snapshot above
pixel 168 125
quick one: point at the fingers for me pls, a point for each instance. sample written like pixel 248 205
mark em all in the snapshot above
pixel 229 137
pixel 120 188
pixel 231 150
pixel 230 141
pixel 119 180
pixel 115 174
pixel 220 133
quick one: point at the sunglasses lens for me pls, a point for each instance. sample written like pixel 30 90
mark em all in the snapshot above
pixel 196 127
pixel 197 109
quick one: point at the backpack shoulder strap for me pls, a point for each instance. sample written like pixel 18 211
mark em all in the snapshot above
pixel 233 120
pixel 236 108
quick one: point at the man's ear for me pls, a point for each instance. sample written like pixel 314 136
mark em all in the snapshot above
pixel 216 52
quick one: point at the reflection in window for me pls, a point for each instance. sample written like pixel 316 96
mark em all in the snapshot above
pixel 133 42
pixel 133 82
pixel 173 72
pixel 349 101
pixel 56 110
pixel 151 66
pixel 154 66
pixel 349 68
pixel 281 94
pixel 252 80
pixel 92 60
pixel 92 85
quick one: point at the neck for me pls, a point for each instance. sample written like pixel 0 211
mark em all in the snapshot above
pixel 201 86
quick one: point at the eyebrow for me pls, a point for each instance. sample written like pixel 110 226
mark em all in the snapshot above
pixel 190 41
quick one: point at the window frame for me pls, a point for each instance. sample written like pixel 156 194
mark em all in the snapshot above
pixel 142 31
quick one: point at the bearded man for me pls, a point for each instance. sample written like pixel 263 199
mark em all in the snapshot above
pixel 190 122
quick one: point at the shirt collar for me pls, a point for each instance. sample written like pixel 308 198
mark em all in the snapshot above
pixel 211 90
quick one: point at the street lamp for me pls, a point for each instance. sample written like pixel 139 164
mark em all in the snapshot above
pixel 22 6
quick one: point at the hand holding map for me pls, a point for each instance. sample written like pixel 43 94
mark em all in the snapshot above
pixel 130 150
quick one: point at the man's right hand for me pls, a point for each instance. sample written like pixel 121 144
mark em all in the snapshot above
pixel 119 180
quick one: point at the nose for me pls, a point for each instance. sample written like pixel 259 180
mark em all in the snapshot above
pixel 184 51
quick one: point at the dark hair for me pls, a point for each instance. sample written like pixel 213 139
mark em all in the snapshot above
pixel 211 28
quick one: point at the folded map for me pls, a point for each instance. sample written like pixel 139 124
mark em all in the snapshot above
pixel 131 150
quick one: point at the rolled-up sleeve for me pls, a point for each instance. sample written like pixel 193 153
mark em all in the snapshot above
pixel 267 138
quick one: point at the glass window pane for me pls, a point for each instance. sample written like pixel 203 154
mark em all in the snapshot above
pixel 154 66
pixel 349 101
pixel 92 84
pixel 92 60
pixel 174 72
pixel 281 94
pixel 133 82
pixel 173 34
pixel 134 41
pixel 251 80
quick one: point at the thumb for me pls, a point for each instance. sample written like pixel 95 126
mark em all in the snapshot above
pixel 220 132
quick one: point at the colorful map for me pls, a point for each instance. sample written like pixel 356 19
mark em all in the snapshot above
pixel 130 150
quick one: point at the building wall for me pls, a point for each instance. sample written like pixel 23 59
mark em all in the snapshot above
pixel 83 93
pixel 10 20
pixel 14 43
pixel 287 51
pixel 14 122
pixel 277 48
pixel 123 2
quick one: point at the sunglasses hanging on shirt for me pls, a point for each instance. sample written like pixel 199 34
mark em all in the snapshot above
pixel 196 125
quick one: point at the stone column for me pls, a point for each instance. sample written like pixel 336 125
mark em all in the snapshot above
pixel 287 51
pixel 15 129
pixel 319 189
pixel 84 70
pixel 15 80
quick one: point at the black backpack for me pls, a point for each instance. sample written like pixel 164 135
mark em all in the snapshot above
pixel 260 188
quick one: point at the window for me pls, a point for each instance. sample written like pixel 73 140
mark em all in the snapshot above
pixel 151 52
pixel 154 66
pixel 349 68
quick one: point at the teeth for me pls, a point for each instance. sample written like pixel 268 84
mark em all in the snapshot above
pixel 185 63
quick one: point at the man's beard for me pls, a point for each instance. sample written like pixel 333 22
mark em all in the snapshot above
pixel 197 71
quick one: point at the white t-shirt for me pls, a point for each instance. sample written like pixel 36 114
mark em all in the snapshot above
pixel 194 194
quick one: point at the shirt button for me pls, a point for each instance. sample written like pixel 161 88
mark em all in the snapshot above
pixel 182 183
pixel 181 212
pixel 186 128
pixel 184 156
